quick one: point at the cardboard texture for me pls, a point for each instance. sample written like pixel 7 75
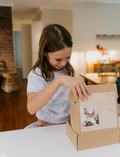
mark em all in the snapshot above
pixel 105 130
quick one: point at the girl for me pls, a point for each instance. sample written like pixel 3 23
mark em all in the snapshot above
pixel 52 77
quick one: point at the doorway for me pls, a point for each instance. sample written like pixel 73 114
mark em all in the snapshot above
pixel 18 53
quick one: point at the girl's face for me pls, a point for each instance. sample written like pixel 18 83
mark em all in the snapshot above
pixel 59 58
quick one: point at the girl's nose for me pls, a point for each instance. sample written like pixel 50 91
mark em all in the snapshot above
pixel 63 62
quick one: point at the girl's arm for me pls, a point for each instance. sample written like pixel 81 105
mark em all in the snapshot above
pixel 36 101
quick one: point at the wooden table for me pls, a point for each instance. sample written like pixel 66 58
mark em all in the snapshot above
pixel 94 78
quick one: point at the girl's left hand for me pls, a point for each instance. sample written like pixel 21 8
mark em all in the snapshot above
pixel 77 85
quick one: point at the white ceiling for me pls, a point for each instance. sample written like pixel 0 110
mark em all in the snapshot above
pixel 22 8
pixel 37 3
pixel 32 5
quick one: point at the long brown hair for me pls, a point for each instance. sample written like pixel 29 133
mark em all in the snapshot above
pixel 54 37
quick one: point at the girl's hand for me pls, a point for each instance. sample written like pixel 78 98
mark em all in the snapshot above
pixel 77 85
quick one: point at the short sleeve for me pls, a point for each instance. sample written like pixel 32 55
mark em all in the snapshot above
pixel 35 83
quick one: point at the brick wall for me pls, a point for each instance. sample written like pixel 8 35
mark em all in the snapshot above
pixel 6 38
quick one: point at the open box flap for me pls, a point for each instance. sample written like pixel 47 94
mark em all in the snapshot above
pixel 74 117
pixel 72 135
pixel 75 111
pixel 95 89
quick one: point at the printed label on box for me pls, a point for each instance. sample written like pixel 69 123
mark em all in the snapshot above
pixel 98 112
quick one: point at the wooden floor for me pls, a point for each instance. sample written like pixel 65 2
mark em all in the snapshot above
pixel 13 110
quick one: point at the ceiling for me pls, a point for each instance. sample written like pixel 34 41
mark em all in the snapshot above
pixel 30 8
pixel 36 3
pixel 33 6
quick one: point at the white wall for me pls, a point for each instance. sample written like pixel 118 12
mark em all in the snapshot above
pixel 17 22
pixel 92 18
pixel 26 49
pixel 59 16
pixel 36 30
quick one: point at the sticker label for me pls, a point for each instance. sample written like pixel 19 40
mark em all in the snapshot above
pixel 98 112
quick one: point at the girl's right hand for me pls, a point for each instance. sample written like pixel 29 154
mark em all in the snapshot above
pixel 77 85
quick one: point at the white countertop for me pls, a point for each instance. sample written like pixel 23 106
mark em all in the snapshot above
pixel 50 141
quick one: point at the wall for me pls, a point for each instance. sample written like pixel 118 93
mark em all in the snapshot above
pixel 22 14
pixel 6 38
pixel 26 49
pixel 17 22
pixel 89 19
pixel 36 30
pixel 59 16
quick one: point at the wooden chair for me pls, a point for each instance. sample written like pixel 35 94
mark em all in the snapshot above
pixel 107 68
pixel 119 69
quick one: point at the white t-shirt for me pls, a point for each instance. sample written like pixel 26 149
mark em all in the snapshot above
pixel 57 110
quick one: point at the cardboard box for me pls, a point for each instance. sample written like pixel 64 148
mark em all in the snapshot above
pixel 92 132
